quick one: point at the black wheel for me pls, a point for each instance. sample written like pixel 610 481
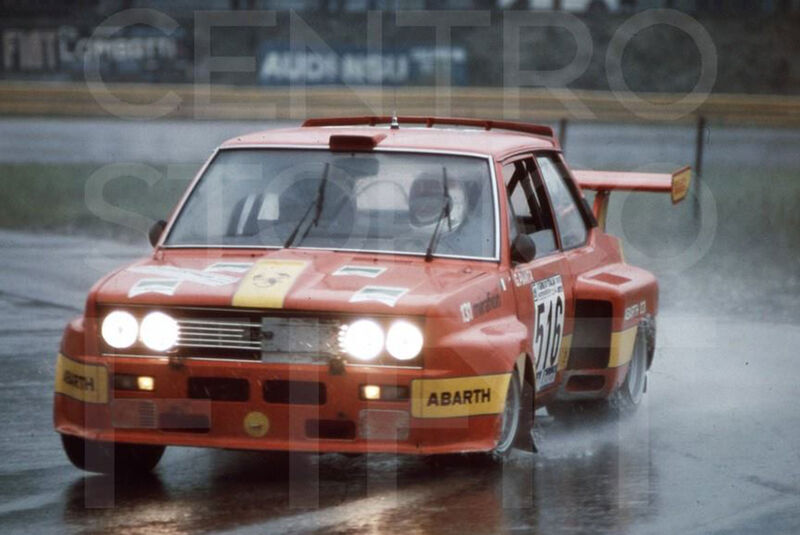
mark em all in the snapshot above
pixel 624 401
pixel 107 457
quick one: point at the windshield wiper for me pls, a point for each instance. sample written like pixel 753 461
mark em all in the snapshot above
pixel 316 204
pixel 445 212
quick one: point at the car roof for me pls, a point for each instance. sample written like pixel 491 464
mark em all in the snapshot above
pixel 496 142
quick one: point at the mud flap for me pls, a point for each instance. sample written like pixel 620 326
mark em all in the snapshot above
pixel 525 437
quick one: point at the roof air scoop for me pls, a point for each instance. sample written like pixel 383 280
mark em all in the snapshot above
pixel 354 143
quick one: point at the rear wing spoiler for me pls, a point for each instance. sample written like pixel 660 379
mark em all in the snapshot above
pixel 603 182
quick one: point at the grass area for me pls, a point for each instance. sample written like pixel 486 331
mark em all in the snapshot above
pixel 119 201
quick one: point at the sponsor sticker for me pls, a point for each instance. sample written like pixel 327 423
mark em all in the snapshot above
pixel 470 311
pixel 370 272
pixel 84 382
pixel 635 310
pixel 459 396
pixel 185 275
pixel 229 267
pixel 522 277
pixel 487 304
pixel 466 312
pixel 388 295
pixel 267 283
pixel 154 286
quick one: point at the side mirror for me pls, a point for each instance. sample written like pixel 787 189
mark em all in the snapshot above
pixel 156 231
pixel 523 249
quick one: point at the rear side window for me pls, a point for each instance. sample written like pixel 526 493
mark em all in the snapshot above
pixel 530 211
pixel 571 226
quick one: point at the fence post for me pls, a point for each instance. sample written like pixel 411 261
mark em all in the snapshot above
pixel 699 144
pixel 562 133
pixel 698 163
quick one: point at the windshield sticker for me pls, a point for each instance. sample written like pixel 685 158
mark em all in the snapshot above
pixel 359 271
pixel 229 267
pixel 267 283
pixel 388 295
pixel 154 286
pixel 186 275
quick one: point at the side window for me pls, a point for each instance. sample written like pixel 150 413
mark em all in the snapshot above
pixel 570 221
pixel 530 212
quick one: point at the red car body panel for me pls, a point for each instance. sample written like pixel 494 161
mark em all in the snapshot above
pixel 492 343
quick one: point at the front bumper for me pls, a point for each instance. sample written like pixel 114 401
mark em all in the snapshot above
pixel 87 405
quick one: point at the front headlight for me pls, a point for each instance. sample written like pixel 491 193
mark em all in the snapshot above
pixel 404 340
pixel 159 331
pixel 362 339
pixel 119 329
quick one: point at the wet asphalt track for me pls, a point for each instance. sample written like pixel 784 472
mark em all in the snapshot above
pixel 713 449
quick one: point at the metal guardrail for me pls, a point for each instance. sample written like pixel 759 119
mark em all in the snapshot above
pixel 297 103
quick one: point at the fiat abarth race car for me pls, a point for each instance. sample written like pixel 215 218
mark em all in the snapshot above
pixel 368 284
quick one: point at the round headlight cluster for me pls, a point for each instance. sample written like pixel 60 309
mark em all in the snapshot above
pixel 157 331
pixel 365 340
pixel 120 329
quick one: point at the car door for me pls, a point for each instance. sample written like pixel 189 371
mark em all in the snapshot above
pixel 541 288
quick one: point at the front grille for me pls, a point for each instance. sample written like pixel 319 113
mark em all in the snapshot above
pixel 213 334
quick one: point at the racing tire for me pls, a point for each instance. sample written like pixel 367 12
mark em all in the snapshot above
pixel 627 398
pixel 108 458
pixel 624 401
pixel 511 420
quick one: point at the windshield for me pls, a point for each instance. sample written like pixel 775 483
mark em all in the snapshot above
pixel 382 201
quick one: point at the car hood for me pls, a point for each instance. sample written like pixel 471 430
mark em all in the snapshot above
pixel 293 279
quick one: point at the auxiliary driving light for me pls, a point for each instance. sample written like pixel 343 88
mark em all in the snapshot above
pixel 404 340
pixel 363 339
pixel 146 383
pixel 159 331
pixel 119 329
pixel 384 392
pixel 134 382
pixel 371 392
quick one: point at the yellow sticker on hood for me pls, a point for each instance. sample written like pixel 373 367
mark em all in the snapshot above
pixel 267 283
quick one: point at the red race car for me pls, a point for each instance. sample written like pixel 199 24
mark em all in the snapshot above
pixel 368 284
